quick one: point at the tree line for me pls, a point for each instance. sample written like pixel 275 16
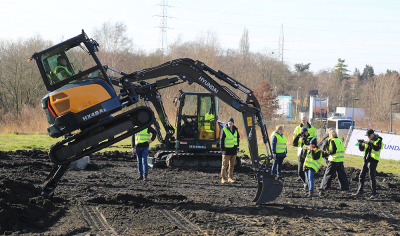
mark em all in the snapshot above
pixel 261 71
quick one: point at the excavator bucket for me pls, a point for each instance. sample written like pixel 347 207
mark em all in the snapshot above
pixel 268 189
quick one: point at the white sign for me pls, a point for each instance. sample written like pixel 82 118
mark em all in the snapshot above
pixel 391 147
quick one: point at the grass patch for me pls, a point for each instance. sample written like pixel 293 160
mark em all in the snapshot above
pixel 12 142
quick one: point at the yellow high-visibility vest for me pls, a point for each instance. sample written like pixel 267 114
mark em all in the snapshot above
pixel 142 137
pixel 230 139
pixel 339 155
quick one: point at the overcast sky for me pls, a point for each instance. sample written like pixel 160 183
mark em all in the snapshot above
pixel 315 31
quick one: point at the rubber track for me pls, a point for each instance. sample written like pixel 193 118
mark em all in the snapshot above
pixel 95 135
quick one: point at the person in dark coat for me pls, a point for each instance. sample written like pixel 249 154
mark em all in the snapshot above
pixel 303 140
pixel 279 150
pixel 229 142
pixel 335 164
pixel 372 150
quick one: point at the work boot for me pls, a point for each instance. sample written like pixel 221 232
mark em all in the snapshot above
pixel 373 196
pixel 311 193
pixel 223 180
pixel 305 187
pixel 145 177
pixel 231 180
pixel 140 177
pixel 358 194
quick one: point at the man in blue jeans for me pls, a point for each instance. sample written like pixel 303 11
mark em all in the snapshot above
pixel 141 141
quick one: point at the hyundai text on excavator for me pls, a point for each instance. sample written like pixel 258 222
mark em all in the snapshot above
pixel 84 107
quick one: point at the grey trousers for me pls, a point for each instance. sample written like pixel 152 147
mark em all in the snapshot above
pixel 371 168
pixel 332 169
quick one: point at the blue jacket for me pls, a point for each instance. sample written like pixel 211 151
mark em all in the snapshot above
pixel 273 148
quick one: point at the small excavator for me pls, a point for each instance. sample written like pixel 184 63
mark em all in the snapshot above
pixel 84 107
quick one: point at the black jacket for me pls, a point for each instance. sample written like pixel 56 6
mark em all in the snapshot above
pixel 145 144
pixel 304 140
pixel 229 151
pixel 377 147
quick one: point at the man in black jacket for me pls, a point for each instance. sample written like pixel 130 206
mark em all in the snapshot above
pixel 229 143
pixel 303 140
pixel 372 148
pixel 140 145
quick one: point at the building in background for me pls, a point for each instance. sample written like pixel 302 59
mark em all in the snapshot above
pixel 318 108
pixel 285 106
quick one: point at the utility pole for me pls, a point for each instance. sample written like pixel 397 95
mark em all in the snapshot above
pixel 163 25
pixel 281 45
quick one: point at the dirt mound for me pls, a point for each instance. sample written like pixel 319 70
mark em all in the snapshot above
pixel 106 199
pixel 21 209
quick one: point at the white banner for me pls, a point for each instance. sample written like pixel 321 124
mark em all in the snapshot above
pixel 391 149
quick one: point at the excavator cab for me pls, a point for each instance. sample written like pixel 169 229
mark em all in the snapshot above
pixel 197 122
pixel 81 92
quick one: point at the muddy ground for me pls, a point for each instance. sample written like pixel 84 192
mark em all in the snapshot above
pixel 106 199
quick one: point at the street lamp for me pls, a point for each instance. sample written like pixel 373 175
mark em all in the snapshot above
pixel 369 121
pixel 297 100
pixel 395 103
pixel 352 117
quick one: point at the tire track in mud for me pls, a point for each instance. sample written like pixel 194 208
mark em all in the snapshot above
pixel 96 221
pixel 179 220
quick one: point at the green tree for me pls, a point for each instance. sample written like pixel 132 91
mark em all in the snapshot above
pixel 341 70
pixel 368 72
pixel 357 73
pixel 302 68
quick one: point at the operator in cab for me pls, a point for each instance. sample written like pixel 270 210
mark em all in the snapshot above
pixel 229 143
pixel 372 151
pixel 61 69
pixel 140 146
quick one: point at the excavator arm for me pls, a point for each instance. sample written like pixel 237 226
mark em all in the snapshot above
pixel 188 70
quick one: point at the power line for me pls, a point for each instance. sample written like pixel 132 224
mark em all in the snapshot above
pixel 163 25
pixel 275 27
pixel 290 17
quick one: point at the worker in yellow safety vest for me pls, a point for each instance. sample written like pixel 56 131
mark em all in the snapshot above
pixel 279 150
pixel 298 142
pixel 61 69
pixel 312 163
pixel 335 163
pixel 229 142
pixel 208 118
pixel 140 146
pixel 372 151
